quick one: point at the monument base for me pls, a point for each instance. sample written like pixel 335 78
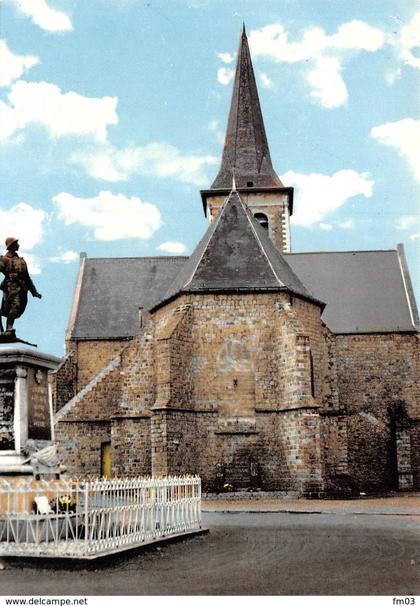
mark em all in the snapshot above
pixel 10 337
pixel 12 463
pixel 26 416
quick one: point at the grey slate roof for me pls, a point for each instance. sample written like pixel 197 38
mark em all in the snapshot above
pixel 112 291
pixel 235 254
pixel 364 291
pixel 246 149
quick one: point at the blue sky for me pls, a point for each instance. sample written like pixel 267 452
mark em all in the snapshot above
pixel 112 117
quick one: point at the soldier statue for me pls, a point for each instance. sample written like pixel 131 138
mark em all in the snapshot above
pixel 15 286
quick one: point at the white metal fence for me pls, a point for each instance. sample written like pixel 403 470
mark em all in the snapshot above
pixel 86 519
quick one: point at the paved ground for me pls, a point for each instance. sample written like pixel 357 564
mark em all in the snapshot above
pixel 406 504
pixel 341 552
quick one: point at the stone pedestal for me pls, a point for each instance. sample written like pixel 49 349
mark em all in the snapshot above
pixel 26 415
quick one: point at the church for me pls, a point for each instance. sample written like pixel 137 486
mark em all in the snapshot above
pixel 253 366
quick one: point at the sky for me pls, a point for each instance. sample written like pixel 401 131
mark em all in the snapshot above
pixel 113 112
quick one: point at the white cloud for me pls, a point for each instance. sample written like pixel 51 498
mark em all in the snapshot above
pixel 265 80
pixel 8 121
pixel 410 40
pixel 414 236
pixel 175 248
pixel 225 75
pixel 49 19
pixel 404 136
pixel 328 87
pixel 112 216
pixel 407 221
pixel 24 222
pixel 68 256
pixel 33 262
pixel 323 54
pixel 392 75
pixel 272 41
pixel 349 224
pixel 13 66
pixel 357 35
pixel 319 195
pixel 156 159
pixel 214 127
pixel 226 57
pixel 60 113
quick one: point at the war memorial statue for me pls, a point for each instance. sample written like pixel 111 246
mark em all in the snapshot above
pixel 27 444
pixel 15 286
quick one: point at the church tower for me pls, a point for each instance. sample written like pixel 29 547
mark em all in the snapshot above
pixel 246 160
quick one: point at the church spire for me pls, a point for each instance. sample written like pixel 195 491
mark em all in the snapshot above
pixel 246 153
pixel 246 160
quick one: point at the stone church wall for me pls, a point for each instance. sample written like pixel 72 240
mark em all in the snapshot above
pixel 377 377
pixel 323 361
pixel 86 424
pixel 415 453
pixel 138 375
pixel 235 401
pixel 115 409
pixel 177 443
pixel 92 356
pixel 282 453
pixel 251 390
pixel 335 455
pixel 79 446
pixel 131 447
pixel 64 382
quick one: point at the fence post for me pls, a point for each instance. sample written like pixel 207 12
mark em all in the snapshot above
pixel 198 480
pixel 86 513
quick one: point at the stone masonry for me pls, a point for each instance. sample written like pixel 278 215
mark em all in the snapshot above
pixel 252 390
pixel 255 369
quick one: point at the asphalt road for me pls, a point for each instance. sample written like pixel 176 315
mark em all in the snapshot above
pixel 250 554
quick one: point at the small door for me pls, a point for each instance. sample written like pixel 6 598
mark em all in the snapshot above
pixel 106 460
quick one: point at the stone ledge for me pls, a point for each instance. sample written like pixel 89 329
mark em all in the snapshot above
pixel 236 432
pixel 173 409
pixel 256 495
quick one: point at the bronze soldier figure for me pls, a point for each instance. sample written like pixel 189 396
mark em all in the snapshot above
pixel 15 285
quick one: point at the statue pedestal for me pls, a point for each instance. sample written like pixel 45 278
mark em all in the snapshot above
pixel 26 415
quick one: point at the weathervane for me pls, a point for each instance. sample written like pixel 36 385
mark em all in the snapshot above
pixel 15 286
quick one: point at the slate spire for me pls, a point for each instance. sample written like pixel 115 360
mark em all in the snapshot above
pixel 246 150
pixel 234 255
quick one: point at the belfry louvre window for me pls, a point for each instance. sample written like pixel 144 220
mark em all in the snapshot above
pixel 262 219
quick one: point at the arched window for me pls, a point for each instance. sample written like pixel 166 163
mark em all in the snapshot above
pixel 262 219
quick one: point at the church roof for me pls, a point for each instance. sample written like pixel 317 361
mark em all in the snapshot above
pixel 106 305
pixel 365 291
pixel 245 152
pixel 235 254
